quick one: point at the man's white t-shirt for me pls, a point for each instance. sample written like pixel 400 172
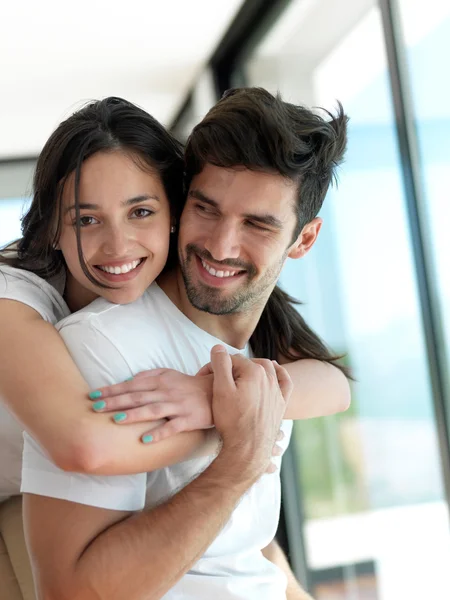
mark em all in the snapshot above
pixel 111 342
pixel 45 298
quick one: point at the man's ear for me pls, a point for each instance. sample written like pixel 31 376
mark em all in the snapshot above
pixel 306 239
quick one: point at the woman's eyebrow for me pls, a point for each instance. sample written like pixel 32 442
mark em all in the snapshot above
pixel 141 198
pixel 129 202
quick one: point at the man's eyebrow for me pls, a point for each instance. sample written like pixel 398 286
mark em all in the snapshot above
pixel 129 202
pixel 203 198
pixel 267 219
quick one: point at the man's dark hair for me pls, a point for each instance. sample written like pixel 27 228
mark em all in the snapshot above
pixel 251 128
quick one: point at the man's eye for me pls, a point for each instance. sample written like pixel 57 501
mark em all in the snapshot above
pixel 256 226
pixel 142 213
pixel 204 209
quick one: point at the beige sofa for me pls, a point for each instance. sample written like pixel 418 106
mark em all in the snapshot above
pixel 16 582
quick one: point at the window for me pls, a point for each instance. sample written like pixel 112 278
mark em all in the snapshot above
pixel 376 521
pixel 11 211
pixel 426 35
pixel 15 184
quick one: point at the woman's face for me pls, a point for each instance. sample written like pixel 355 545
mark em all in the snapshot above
pixel 124 225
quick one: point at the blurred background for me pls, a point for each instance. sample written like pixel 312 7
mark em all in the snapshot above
pixel 366 493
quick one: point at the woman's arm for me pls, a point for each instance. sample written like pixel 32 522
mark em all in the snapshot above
pixel 320 389
pixel 44 389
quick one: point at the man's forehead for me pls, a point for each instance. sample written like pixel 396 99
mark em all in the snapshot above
pixel 241 184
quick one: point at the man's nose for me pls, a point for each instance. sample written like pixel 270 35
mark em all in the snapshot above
pixel 223 242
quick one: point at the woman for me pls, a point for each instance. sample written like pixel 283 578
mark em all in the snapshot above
pixel 114 157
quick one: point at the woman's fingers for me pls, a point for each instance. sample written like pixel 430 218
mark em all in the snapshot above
pixel 164 431
pixel 149 373
pixel 271 468
pixel 143 381
pixel 149 412
pixel 276 451
pixel 128 401
pixel 138 384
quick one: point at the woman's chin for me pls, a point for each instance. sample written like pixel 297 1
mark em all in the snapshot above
pixel 125 295
pixel 121 297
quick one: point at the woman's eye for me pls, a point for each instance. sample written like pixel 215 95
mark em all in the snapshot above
pixel 141 213
pixel 85 220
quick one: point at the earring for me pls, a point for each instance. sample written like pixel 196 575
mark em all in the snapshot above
pixel 173 229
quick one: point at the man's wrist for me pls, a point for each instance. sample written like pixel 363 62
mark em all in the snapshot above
pixel 234 470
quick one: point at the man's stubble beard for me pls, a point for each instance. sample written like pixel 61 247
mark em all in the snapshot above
pixel 212 300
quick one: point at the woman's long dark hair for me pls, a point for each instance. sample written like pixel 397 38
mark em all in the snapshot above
pixel 252 128
pixel 112 124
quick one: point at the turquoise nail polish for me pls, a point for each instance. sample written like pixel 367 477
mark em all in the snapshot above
pixel 100 405
pixel 119 417
pixel 147 439
pixel 129 378
pixel 95 394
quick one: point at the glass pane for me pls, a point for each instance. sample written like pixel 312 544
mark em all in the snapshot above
pixel 427 39
pixel 202 98
pixel 376 520
pixel 11 211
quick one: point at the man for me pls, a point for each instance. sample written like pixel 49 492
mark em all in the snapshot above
pixel 257 173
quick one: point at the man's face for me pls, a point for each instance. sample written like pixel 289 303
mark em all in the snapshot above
pixel 235 235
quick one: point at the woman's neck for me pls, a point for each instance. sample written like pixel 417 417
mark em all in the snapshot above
pixel 77 296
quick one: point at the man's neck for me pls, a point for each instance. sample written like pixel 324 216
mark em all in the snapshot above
pixel 234 329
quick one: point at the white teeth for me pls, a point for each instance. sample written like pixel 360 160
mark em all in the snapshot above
pixel 126 268
pixel 212 271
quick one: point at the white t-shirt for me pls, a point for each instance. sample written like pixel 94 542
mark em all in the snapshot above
pixel 110 342
pixel 45 297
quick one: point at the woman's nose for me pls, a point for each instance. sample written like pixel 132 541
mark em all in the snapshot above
pixel 117 242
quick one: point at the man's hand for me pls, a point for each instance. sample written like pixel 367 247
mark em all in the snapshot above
pixel 249 401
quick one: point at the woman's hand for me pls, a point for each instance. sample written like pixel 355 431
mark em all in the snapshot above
pixel 182 401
